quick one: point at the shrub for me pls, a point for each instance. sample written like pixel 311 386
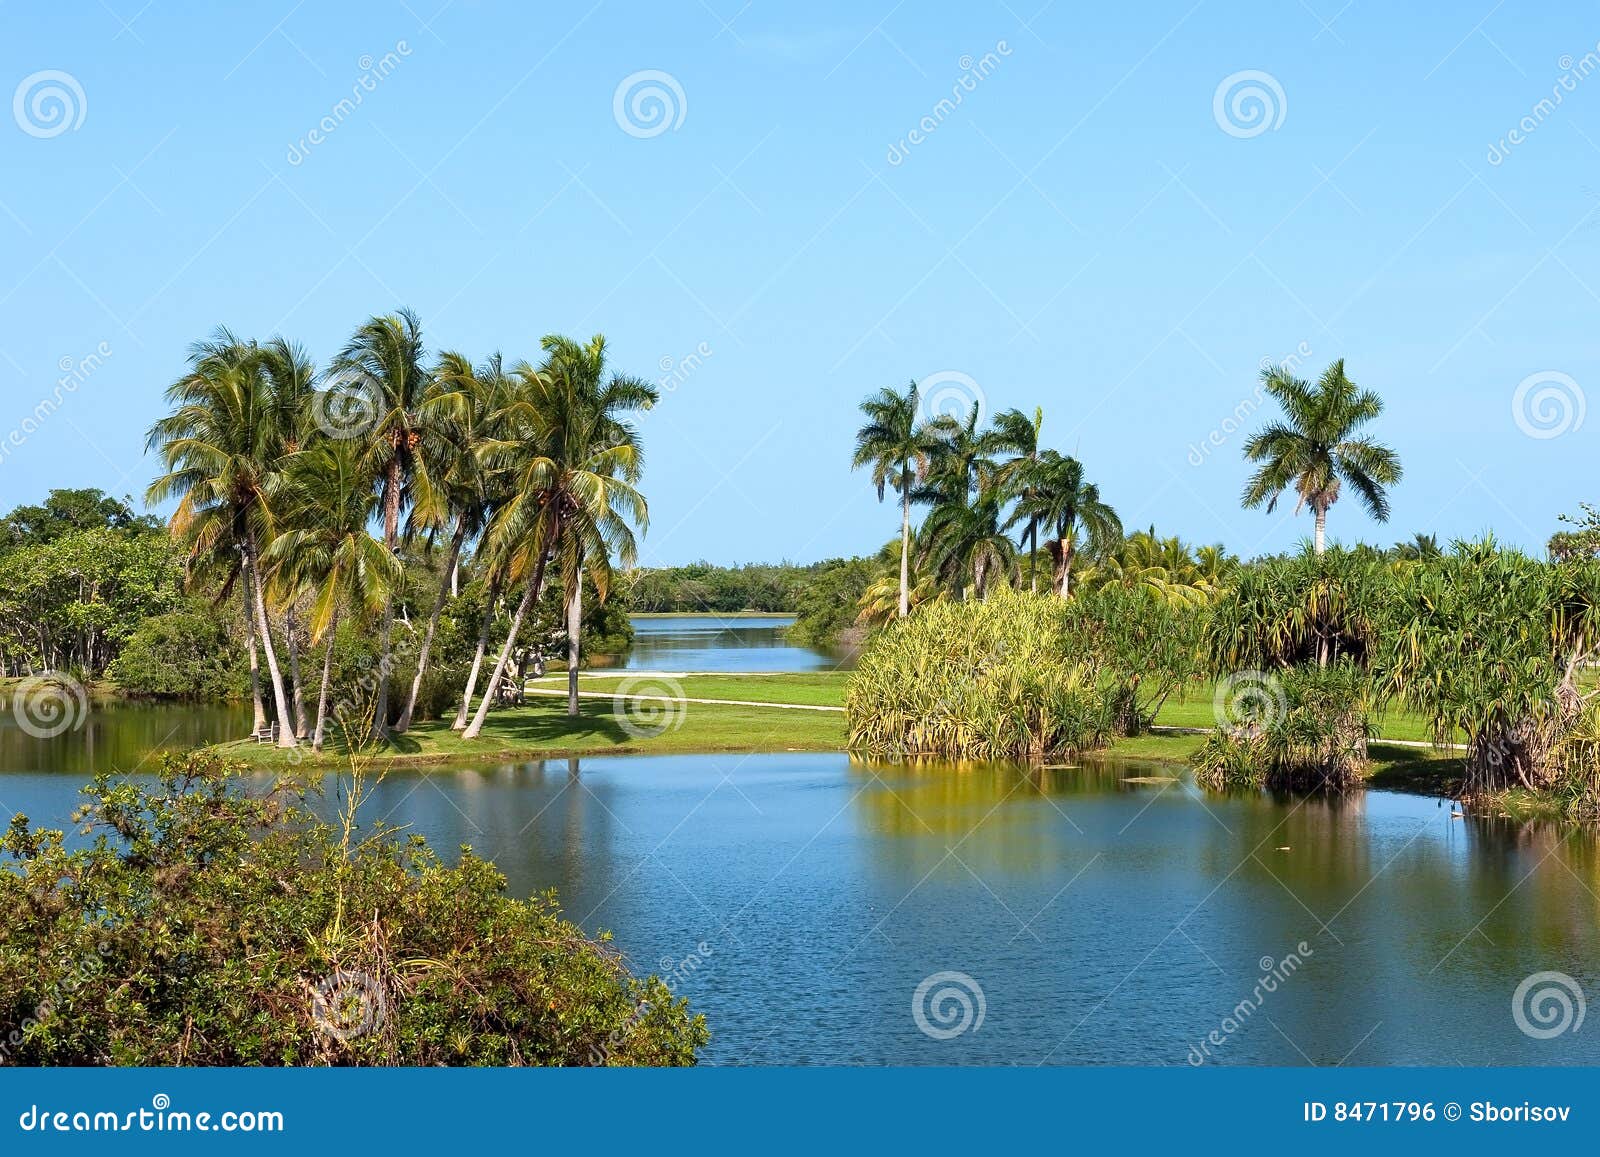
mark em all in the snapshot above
pixel 1303 729
pixel 208 926
pixel 183 654
pixel 977 680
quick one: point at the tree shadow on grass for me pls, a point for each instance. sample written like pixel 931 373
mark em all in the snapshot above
pixel 1420 770
pixel 537 725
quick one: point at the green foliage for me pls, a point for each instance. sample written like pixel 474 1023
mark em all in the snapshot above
pixel 65 511
pixel 73 601
pixel 1304 729
pixel 1145 645
pixel 204 925
pixel 702 588
pixel 1488 642
pixel 184 653
pixel 1309 608
pixel 977 680
pixel 826 607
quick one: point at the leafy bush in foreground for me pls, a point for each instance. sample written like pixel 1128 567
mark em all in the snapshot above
pixel 207 926
pixel 1304 729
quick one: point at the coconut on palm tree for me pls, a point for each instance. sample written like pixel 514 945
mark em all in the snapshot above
pixel 899 448
pixel 1315 449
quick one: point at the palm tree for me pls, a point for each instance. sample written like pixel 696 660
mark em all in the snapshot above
pixel 1314 448
pixel 900 450
pixel 1013 432
pixel 324 548
pixel 221 447
pixel 963 535
pixel 465 398
pixel 573 462
pixel 1062 502
pixel 385 357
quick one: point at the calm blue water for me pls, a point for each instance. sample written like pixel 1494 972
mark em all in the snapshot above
pixel 799 901
pixel 712 643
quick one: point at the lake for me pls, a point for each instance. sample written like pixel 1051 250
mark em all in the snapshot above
pixel 715 643
pixel 1105 914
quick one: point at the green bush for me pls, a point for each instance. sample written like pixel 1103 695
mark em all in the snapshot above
pixel 183 654
pixel 977 680
pixel 208 926
pixel 1301 729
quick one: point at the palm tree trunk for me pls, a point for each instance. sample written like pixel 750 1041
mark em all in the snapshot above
pixel 298 688
pixel 1033 556
pixel 477 658
pixel 574 636
pixel 905 549
pixel 327 681
pixel 259 707
pixel 1322 529
pixel 456 541
pixel 528 597
pixel 391 535
pixel 286 737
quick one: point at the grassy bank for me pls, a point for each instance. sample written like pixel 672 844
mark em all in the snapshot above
pixel 543 730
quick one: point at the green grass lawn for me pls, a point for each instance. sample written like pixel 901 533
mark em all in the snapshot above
pixel 815 688
pixel 542 729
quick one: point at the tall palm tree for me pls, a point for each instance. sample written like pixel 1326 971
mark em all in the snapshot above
pixel 1063 503
pixel 574 461
pixel 464 399
pixel 1014 434
pixel 1315 450
pixel 899 448
pixel 385 356
pixel 324 548
pixel 221 447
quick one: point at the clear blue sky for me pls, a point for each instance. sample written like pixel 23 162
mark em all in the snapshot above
pixel 1079 233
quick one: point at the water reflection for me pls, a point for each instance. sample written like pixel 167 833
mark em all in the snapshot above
pixel 713 643
pixel 1112 913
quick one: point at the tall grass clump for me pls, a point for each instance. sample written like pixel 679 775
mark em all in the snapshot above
pixel 993 679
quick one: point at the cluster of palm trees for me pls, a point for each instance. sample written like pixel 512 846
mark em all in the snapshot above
pixel 310 489
pixel 982 483
pixel 979 484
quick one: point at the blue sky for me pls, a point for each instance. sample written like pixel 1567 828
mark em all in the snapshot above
pixel 1087 230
